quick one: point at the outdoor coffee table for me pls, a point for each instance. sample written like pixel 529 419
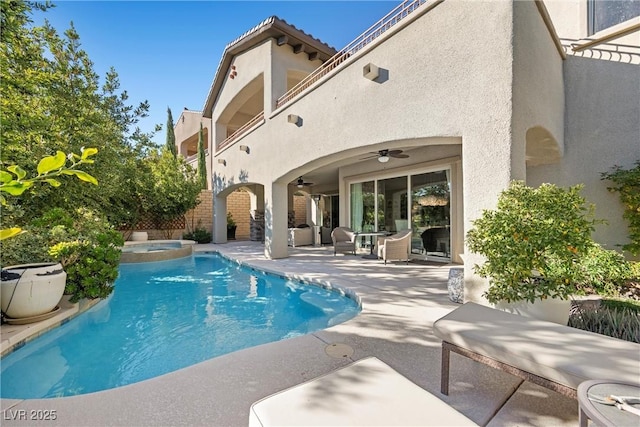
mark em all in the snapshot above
pixel 371 235
pixel 592 396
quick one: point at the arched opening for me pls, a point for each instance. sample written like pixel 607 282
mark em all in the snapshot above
pixel 542 148
pixel 246 105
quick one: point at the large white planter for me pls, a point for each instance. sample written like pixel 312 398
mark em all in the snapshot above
pixel 139 236
pixel 550 309
pixel 30 290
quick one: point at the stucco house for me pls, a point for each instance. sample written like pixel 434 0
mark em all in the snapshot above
pixel 425 118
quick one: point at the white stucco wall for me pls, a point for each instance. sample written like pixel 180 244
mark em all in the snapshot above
pixel 569 17
pixel 447 73
pixel 447 76
pixel 538 87
pixel 602 130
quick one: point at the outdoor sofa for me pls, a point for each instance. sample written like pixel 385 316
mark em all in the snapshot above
pixel 300 236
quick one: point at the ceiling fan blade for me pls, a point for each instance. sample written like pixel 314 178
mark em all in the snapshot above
pixel 399 156
pixel 374 155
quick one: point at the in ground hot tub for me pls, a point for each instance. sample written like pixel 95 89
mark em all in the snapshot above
pixel 155 250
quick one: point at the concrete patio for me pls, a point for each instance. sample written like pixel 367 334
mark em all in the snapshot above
pixel 400 302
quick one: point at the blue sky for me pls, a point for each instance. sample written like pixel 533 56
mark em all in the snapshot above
pixel 167 52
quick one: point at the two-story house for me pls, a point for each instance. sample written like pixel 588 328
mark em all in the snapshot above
pixel 425 118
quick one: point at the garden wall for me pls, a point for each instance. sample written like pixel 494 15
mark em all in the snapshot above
pixel 238 204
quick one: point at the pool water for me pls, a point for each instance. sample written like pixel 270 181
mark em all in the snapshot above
pixel 164 316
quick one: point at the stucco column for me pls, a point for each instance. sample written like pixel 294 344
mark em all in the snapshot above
pixel 220 219
pixel 486 174
pixel 275 81
pixel 275 221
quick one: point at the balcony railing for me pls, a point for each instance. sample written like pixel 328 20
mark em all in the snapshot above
pixel 376 30
pixel 194 157
pixel 258 119
pixel 613 52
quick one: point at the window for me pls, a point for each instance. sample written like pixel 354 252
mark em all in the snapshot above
pixel 607 13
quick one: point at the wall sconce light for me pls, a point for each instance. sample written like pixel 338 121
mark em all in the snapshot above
pixel 222 162
pixel 245 148
pixel 370 71
pixel 292 118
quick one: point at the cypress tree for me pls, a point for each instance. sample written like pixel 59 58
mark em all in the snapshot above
pixel 171 136
pixel 202 165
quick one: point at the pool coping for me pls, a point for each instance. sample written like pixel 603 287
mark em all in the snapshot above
pixel 16 336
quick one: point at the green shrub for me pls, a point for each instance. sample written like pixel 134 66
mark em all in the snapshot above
pixel 622 323
pixel 91 265
pixel 532 242
pixel 603 271
pixel 29 247
pixel 622 304
pixel 82 241
pixel 200 235
pixel 627 184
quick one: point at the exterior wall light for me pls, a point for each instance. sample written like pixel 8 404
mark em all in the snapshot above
pixel 222 162
pixel 245 148
pixel 370 71
pixel 292 118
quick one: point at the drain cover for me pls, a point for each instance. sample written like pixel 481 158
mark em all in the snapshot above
pixel 339 350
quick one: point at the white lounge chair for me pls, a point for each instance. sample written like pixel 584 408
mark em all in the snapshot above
pixel 365 393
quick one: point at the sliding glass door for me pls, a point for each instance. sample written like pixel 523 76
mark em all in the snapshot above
pixel 363 206
pixel 420 202
pixel 392 208
pixel 431 214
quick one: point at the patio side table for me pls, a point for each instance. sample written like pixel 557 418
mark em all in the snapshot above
pixel 590 393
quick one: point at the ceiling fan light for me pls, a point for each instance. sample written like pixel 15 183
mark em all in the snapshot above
pixel 383 159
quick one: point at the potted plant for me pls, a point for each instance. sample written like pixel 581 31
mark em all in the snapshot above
pixel 533 243
pixel 30 292
pixel 231 227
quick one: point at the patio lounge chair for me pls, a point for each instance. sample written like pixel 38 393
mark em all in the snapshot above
pixel 366 393
pixel 344 240
pixel 395 247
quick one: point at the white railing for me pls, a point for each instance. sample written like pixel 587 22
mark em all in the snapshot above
pixel 376 30
pixel 626 54
pixel 194 157
pixel 258 119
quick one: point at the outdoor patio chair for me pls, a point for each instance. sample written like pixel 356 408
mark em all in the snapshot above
pixel 344 240
pixel 395 247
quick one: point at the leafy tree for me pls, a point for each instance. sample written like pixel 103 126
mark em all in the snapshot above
pixel 176 187
pixel 202 164
pixel 171 136
pixel 52 101
pixel 14 181
pixel 627 184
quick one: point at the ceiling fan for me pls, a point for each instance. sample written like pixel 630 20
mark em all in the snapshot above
pixel 300 183
pixel 384 155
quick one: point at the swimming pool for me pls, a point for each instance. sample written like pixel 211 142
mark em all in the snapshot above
pixel 164 316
